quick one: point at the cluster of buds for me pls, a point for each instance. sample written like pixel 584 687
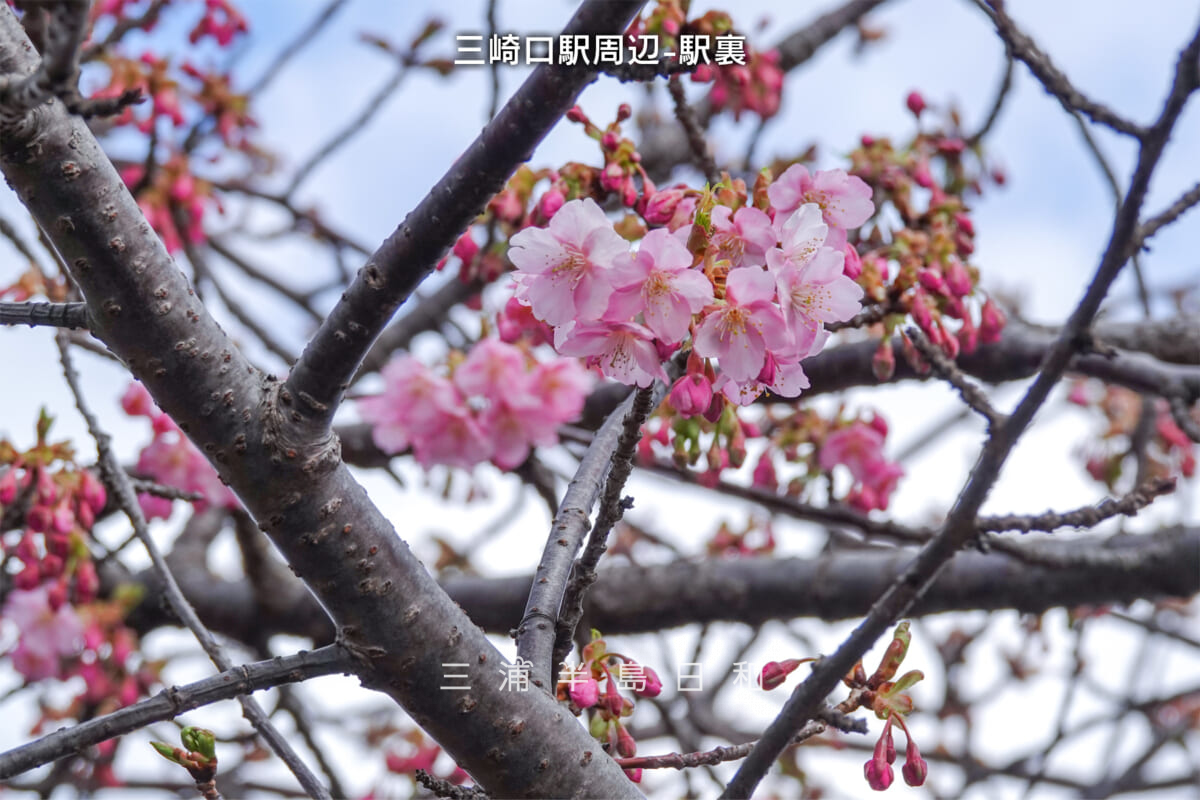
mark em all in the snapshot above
pixel 495 404
pixel 890 702
pixel 58 502
pixel 580 688
pixel 150 75
pixel 222 21
pixel 622 175
pixel 859 447
pixel 1169 452
pixel 754 86
pixel 228 109
pixel 754 539
pixel 922 269
pixel 172 188
pixel 172 460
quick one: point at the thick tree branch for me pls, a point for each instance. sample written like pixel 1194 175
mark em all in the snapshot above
pixel 391 274
pixel 391 615
pixel 173 701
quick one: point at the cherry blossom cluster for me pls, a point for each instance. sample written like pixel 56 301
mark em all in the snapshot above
pixel 172 460
pixel 753 287
pixel 495 404
pixel 580 688
pixel 58 503
pixel 1169 451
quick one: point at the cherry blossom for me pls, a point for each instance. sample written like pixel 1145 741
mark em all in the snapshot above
pixel 411 399
pixel 859 447
pixel 658 282
pixel 813 294
pixel 624 351
pixel 845 200
pixel 749 324
pixel 46 636
pixel 742 237
pixel 562 269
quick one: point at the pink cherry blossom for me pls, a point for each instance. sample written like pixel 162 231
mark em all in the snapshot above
pixel 453 437
pixel 624 351
pixel 492 369
pixel 562 270
pixel 45 636
pixel 859 446
pixel 743 238
pixel 659 283
pixel 813 294
pixel 740 332
pixel 412 397
pixel 786 379
pixel 691 395
pixel 845 200
pixel 560 386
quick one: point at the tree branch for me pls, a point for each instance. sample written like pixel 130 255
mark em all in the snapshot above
pixel 959 527
pixel 60 315
pixel 173 701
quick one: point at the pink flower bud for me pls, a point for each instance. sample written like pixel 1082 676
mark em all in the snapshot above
pixel 56 596
pixel 552 201
pixel 92 491
pixel 466 247
pixel 920 311
pixel 991 322
pixel 63 519
pixel 932 281
pixel 626 745
pixel 87 582
pixel 634 775
pixel 654 685
pixel 610 140
pixel 38 518
pixel 879 424
pixel 915 103
pixel 879 774
pixel 958 280
pixel 661 206
pixel 915 769
pixel 28 578
pixel 692 394
pixel 584 694
pixel 764 473
pixel 852 266
pixel 774 673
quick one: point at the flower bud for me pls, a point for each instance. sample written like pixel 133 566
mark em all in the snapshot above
pixel 915 103
pixel 915 769
pixel 852 265
pixel 584 694
pixel 991 322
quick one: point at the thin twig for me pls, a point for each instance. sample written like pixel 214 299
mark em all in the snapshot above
pixel 970 392
pixel 116 479
pixel 695 134
pixel 58 315
pixel 173 701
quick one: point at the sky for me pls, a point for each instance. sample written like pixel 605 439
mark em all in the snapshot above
pixel 1039 237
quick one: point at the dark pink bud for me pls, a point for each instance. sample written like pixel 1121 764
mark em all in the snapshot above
pixel 624 112
pixel 922 175
pixel 964 223
pixel 136 401
pixel 852 266
pixel 774 673
pixel 880 425
pixel 692 394
pixel 28 578
pixel 764 473
pixel 51 566
pixel 968 337
pixel 915 103
pixel 63 520
pixel 92 491
pixel 915 769
pixel 991 322
pixel 552 201
pixel 584 694
pixel 87 582
pixel 634 775
pixel 626 745
pixel 653 687
pixel 879 774
pixel 56 596
pixel 958 280
pixel 38 518
pixel 931 279
pixel 466 247
pixel 610 141
pixel 662 204
pixel 920 311
pixel 951 147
